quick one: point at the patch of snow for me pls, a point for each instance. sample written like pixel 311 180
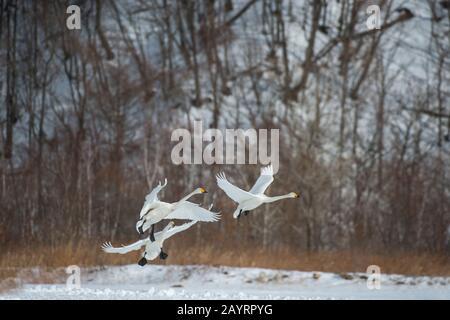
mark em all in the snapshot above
pixel 206 282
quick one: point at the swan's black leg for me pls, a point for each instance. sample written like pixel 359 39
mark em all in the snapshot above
pixel 239 215
pixel 152 233
pixel 163 255
pixel 246 212
pixel 142 262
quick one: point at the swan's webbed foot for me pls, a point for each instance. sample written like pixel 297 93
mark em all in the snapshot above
pixel 142 262
pixel 152 234
pixel 163 255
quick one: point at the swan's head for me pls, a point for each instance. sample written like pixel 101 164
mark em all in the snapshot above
pixel 169 226
pixel 294 195
pixel 201 190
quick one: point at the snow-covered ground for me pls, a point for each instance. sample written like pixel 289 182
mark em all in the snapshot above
pixel 206 282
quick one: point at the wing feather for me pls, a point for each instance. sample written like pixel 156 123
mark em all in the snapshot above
pixel 151 198
pixel 192 211
pixel 236 194
pixel 264 180
pixel 107 247
pixel 179 228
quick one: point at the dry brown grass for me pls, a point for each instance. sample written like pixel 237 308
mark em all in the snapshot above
pixel 8 280
pixel 52 261
pixel 408 264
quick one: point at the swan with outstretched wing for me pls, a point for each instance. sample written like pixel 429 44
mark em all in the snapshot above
pixel 153 249
pixel 155 210
pixel 249 200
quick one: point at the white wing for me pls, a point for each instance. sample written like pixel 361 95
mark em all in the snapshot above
pixel 107 247
pixel 264 180
pixel 151 198
pixel 192 211
pixel 235 193
pixel 179 228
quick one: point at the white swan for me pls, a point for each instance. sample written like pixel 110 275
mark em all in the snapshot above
pixel 155 210
pixel 249 200
pixel 153 249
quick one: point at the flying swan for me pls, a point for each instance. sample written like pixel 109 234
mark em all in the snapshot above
pixel 153 249
pixel 249 200
pixel 155 210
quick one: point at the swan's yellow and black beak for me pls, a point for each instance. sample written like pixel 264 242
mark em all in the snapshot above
pixel 296 195
pixel 203 190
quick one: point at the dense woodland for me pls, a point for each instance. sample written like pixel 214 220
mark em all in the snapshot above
pixel 364 115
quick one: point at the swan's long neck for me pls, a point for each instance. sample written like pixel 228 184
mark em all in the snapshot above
pixel 184 199
pixel 273 199
pixel 164 234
